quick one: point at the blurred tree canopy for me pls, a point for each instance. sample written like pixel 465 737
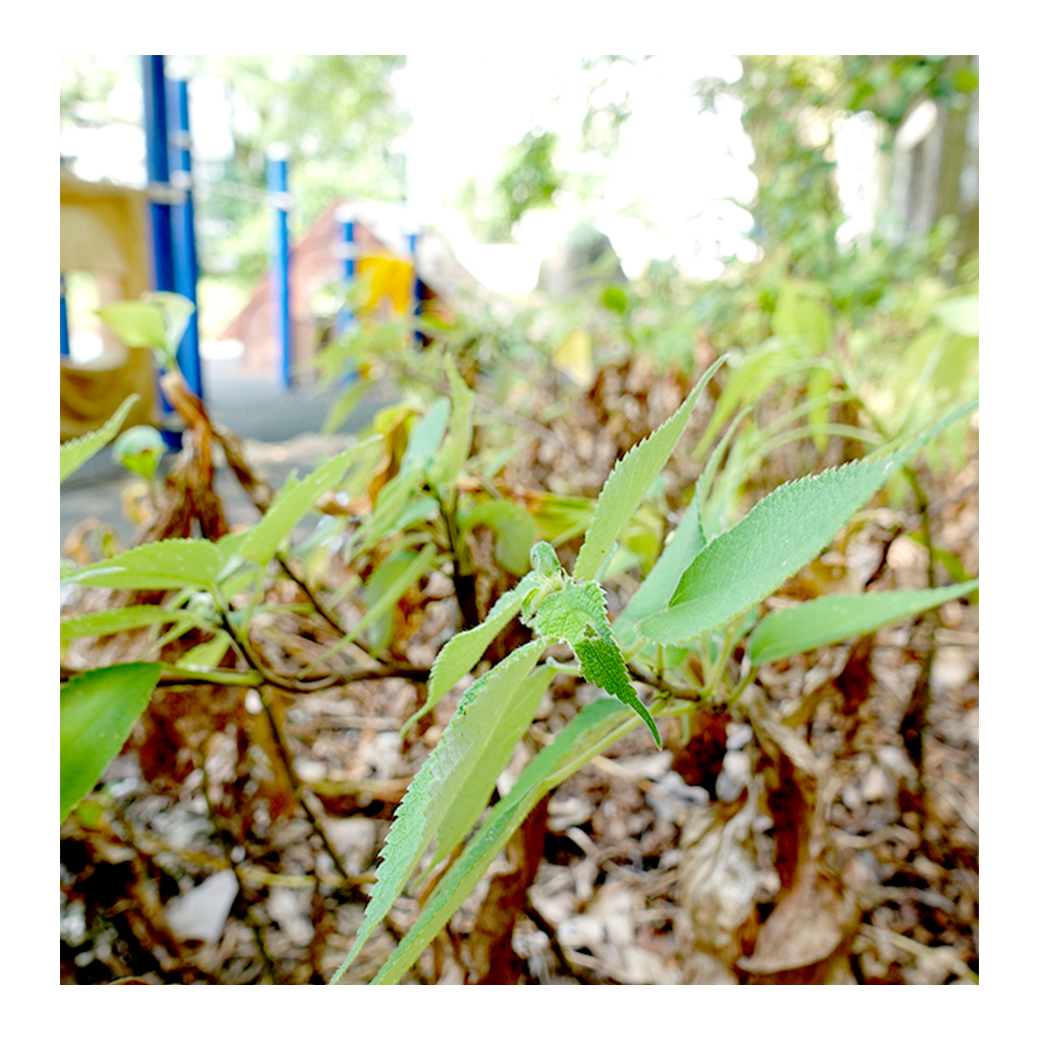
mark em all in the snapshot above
pixel 340 118
pixel 528 181
pixel 793 107
pixel 337 114
pixel 343 123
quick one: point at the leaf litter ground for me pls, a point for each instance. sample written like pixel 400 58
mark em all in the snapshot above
pixel 789 842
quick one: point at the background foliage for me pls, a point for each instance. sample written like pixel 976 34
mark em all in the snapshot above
pixel 426 549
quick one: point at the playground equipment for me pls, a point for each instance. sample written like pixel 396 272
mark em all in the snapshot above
pixel 103 239
pixel 349 243
pixel 103 236
pixel 281 327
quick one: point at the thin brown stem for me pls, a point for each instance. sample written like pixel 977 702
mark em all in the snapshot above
pixel 544 925
pixel 270 677
pixel 283 562
pixel 300 790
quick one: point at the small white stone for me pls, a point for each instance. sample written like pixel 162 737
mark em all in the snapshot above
pixel 876 784
pixel 202 912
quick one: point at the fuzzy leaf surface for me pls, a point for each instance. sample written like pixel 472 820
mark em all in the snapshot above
pixel 659 585
pixel 779 536
pixel 513 722
pixel 578 615
pixel 98 710
pixel 465 649
pixel 594 728
pixel 456 767
pixel 628 483
pixel 76 452
pixel 831 619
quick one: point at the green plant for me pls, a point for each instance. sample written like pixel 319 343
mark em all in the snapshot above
pixel 693 632
pixel 695 590
pixel 98 707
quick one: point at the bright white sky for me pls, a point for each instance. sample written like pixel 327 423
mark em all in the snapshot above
pixel 673 167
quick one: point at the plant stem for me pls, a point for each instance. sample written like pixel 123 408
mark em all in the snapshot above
pixel 462 573
pixel 301 791
pixel 309 593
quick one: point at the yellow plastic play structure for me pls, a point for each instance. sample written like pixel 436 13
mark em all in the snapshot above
pixel 103 235
pixel 390 292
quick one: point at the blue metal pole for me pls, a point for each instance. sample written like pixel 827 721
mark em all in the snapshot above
pixel 416 286
pixel 348 247
pixel 345 217
pixel 278 187
pixel 158 160
pixel 156 132
pixel 186 267
pixel 64 322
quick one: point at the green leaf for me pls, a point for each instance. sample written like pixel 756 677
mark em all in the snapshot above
pixel 205 656
pixel 136 323
pixel 628 483
pixel 708 509
pixel 108 622
pixel 578 614
pixel 515 531
pixel 545 563
pixel 426 437
pixel 596 727
pixel 510 722
pixel 959 361
pixel 341 408
pixel 747 379
pixel 831 619
pixel 455 450
pixel 176 312
pixel 659 585
pixel 400 572
pixel 781 534
pixel 801 314
pixel 175 563
pixel 457 766
pixel 577 611
pixel 98 711
pixel 158 320
pixel 465 649
pixel 603 664
pixel 293 502
pixel 561 517
pixel 139 449
pixel 74 453
pixel 818 391
pixel 423 442
pixel 386 518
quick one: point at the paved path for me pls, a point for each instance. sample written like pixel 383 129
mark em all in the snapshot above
pixel 280 427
